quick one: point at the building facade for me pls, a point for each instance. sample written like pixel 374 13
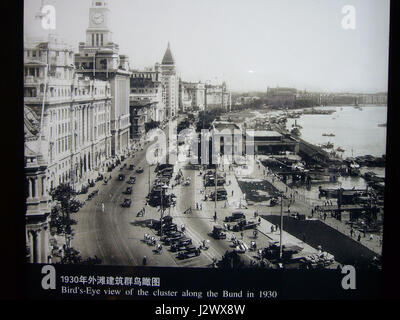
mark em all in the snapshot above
pixel 145 100
pixel 217 96
pixel 192 95
pixel 281 96
pixel 38 209
pixel 75 134
pixel 99 58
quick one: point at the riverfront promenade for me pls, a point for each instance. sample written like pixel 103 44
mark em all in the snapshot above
pixel 304 205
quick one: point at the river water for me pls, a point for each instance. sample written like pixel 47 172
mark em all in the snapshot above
pixel 355 130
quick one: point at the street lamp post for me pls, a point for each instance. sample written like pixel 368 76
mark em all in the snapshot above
pixel 281 231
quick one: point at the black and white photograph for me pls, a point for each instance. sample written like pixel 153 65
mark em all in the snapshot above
pixel 214 135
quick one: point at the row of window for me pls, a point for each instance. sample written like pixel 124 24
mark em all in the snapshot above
pixel 144 91
pixel 99 39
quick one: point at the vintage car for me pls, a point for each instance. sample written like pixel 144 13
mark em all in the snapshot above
pixel 127 203
pixel 121 177
pixel 131 167
pixel 181 244
pixel 243 225
pixel 128 190
pixel 273 202
pixel 139 170
pixel 173 237
pixel 190 252
pixel 209 181
pixel 235 216
pixel 217 233
pixel 221 195
pixel 131 180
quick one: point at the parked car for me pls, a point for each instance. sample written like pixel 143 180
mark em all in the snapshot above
pixel 131 167
pixel 139 170
pixel 243 225
pixel 189 252
pixel 217 233
pixel 181 244
pixel 235 216
pixel 121 177
pixel 221 195
pixel 172 237
pixel 128 190
pixel 127 203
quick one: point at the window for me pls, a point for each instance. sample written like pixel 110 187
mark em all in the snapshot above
pixel 33 53
pixel 93 39
pixel 102 39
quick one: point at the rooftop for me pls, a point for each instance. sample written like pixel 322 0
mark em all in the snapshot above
pixel 168 58
pixel 263 133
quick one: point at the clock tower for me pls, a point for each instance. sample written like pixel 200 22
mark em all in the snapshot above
pixel 98 35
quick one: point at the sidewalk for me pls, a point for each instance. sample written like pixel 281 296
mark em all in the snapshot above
pixel 265 226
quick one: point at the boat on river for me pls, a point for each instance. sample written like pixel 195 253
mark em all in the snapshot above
pixel 328 145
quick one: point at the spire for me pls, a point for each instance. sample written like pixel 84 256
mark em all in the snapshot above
pixel 168 59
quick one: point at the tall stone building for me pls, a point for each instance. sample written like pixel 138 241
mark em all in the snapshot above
pixel 99 58
pixel 192 95
pixel 170 82
pixel 217 97
pixel 145 99
pixel 75 137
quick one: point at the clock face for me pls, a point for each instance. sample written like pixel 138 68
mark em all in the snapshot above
pixel 97 18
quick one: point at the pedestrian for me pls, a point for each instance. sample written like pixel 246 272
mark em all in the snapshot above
pixel 197 206
pixel 201 206
pixel 351 232
pixel 144 260
pixel 259 219
pixel 241 234
pixel 102 207
pixel 359 237
pixel 232 193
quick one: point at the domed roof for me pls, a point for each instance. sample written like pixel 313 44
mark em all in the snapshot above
pixel 168 59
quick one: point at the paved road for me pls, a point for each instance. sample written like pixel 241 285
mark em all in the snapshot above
pixel 116 235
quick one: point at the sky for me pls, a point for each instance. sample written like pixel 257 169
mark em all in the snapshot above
pixel 250 44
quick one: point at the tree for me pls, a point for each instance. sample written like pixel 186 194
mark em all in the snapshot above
pixel 151 125
pixel 206 118
pixel 184 124
pixel 66 204
pixel 60 218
